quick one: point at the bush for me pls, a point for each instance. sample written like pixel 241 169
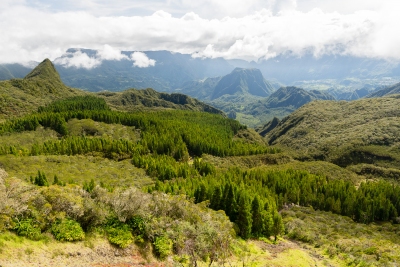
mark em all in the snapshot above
pixel 67 230
pixel 28 229
pixel 119 235
pixel 138 225
pixel 163 246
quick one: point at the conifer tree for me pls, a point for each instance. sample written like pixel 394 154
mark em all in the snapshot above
pixel 231 204
pixel 41 180
pixel 256 210
pixel 244 217
pixel 216 199
pixel 277 227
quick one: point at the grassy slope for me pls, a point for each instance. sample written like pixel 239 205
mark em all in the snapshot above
pixel 39 87
pixel 341 239
pixel 77 169
pixel 283 161
pixel 345 133
pixel 131 100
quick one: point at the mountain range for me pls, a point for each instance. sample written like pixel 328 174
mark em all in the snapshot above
pixel 172 70
pixel 44 85
pixel 246 95
pixel 236 87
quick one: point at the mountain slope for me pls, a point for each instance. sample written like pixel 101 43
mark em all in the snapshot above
pixel 202 89
pixel 283 102
pixel 41 86
pixel 294 97
pixel 133 99
pixel 390 90
pixel 11 71
pixel 346 133
pixel 243 81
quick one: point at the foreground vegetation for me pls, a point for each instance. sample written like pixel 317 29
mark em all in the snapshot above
pixel 341 239
pixel 53 199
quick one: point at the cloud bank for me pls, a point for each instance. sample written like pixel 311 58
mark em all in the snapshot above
pixel 280 27
pixel 79 59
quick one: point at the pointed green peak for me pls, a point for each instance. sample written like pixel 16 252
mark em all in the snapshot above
pixel 44 70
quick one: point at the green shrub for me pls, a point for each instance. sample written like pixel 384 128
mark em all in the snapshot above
pixel 119 235
pixel 40 179
pixel 28 229
pixel 163 246
pixel 137 224
pixel 371 251
pixel 67 230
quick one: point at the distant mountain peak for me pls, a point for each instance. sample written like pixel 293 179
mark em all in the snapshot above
pixel 45 70
pixel 243 81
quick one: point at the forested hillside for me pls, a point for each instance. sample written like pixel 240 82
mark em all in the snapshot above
pixel 132 99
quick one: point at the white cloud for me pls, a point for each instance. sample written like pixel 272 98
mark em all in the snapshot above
pixel 110 53
pixel 78 60
pixel 141 60
pixel 232 29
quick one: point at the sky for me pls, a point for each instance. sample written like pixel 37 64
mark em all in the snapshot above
pixel 32 30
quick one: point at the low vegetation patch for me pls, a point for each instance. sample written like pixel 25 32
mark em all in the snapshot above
pixel 67 230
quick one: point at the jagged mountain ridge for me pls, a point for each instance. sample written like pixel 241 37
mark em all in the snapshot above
pixel 390 90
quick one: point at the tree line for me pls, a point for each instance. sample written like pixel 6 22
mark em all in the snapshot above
pixel 175 133
pixel 251 198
